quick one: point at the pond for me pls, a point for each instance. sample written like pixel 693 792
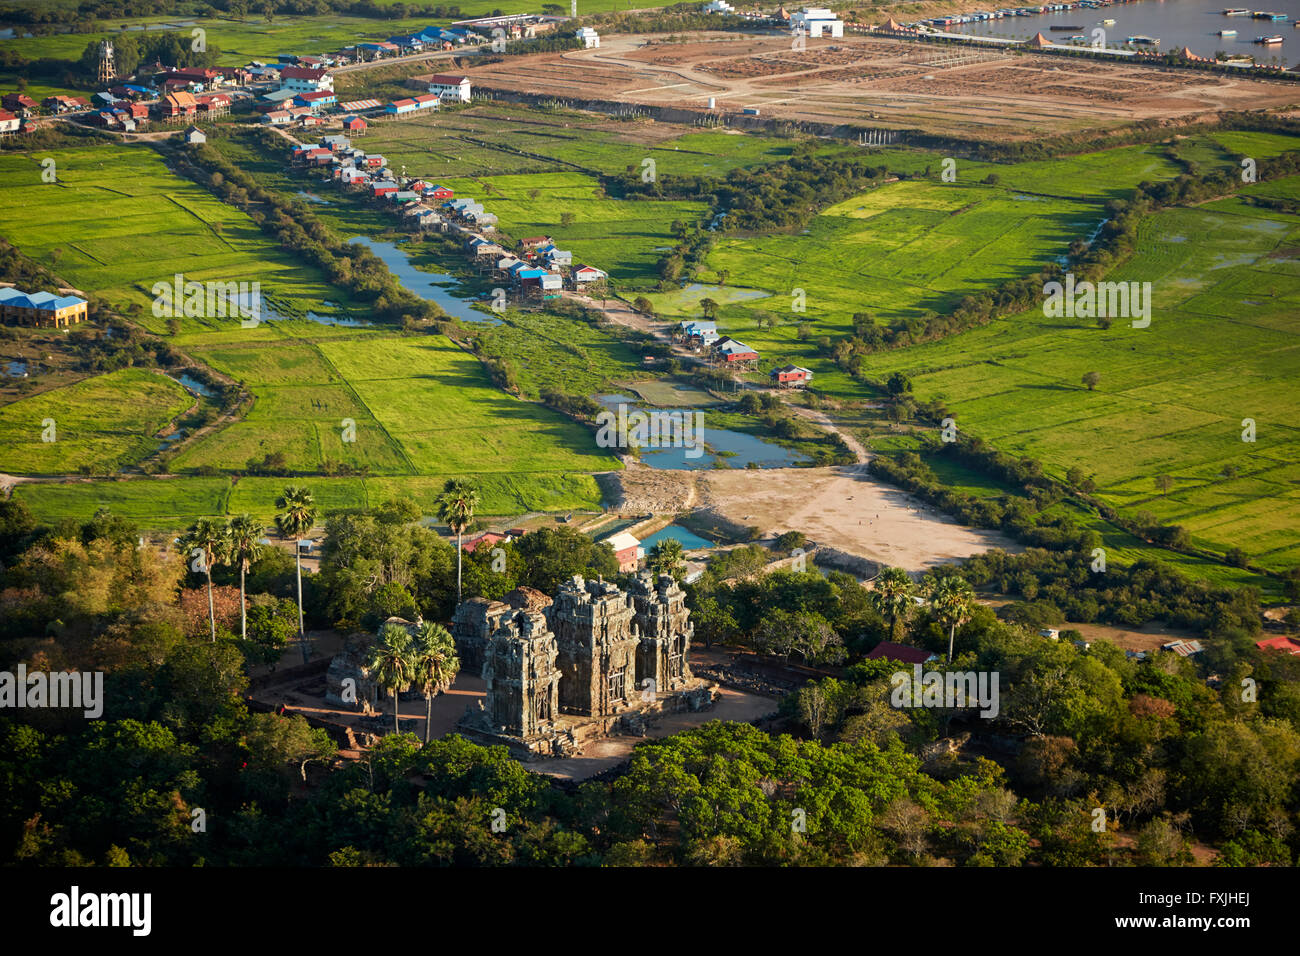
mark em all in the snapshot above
pixel 313 198
pixel 16 369
pixel 729 448
pixel 433 286
pixel 689 539
pixel 193 385
pixel 727 293
pixel 269 314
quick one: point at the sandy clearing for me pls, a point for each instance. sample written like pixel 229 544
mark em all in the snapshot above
pixel 844 508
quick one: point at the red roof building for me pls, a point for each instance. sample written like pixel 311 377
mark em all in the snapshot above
pixel 1287 645
pixel 903 653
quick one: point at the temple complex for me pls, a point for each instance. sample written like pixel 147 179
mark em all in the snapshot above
pixel 595 662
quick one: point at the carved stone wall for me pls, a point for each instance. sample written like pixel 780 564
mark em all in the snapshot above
pixel 521 676
pixel 593 625
pixel 477 619
pixel 663 622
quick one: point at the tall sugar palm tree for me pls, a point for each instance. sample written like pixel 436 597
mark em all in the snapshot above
pixel 391 663
pixel 243 541
pixel 893 597
pixel 295 520
pixel 952 601
pixel 206 541
pixel 436 665
pixel 456 506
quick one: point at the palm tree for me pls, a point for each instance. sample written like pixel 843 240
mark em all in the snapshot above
pixel 208 538
pixel 243 535
pixel 436 665
pixel 456 507
pixel 666 557
pixel 952 599
pixel 296 518
pixel 391 663
pixel 893 597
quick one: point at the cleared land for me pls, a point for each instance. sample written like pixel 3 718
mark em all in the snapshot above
pixel 877 82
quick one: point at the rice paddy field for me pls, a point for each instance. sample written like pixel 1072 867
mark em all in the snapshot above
pixel 1173 398
pixel 102 423
pixel 325 396
pixel 117 221
pixel 493 139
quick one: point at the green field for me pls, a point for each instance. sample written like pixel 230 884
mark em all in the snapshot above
pixel 102 423
pixel 324 396
pixel 1172 397
pixel 118 220
pixel 169 503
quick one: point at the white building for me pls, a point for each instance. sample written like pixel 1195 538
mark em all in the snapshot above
pixel 301 79
pixel 450 87
pixel 589 37
pixel 817 22
pixel 719 6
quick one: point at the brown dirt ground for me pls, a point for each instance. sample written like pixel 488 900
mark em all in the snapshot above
pixel 883 82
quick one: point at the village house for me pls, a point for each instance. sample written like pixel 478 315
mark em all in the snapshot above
pixel 9 123
pixel 41 308
pixel 699 334
pixel 450 87
pixel 193 135
pixel 355 125
pixel 316 101
pixel 902 653
pixel 533 243
pixel 301 79
pixel 556 257
pixel 731 351
pixel 213 104
pixel 791 376
pixel 441 193
pixel 65 104
pixel 19 103
pixel 589 37
pixel 627 550
pixel 585 275
pixel 179 104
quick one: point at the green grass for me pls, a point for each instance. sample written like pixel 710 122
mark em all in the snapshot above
pixel 171 503
pixel 896 252
pixel 415 406
pixel 103 423
pixel 556 352
pixel 437 403
pixel 118 221
pixel 1221 345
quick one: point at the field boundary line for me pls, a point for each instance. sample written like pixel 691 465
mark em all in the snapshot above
pixel 347 383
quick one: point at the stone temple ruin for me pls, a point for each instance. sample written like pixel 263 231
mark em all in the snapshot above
pixel 596 661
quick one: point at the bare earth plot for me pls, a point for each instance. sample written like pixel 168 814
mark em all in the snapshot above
pixel 881 82
pixel 841 508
